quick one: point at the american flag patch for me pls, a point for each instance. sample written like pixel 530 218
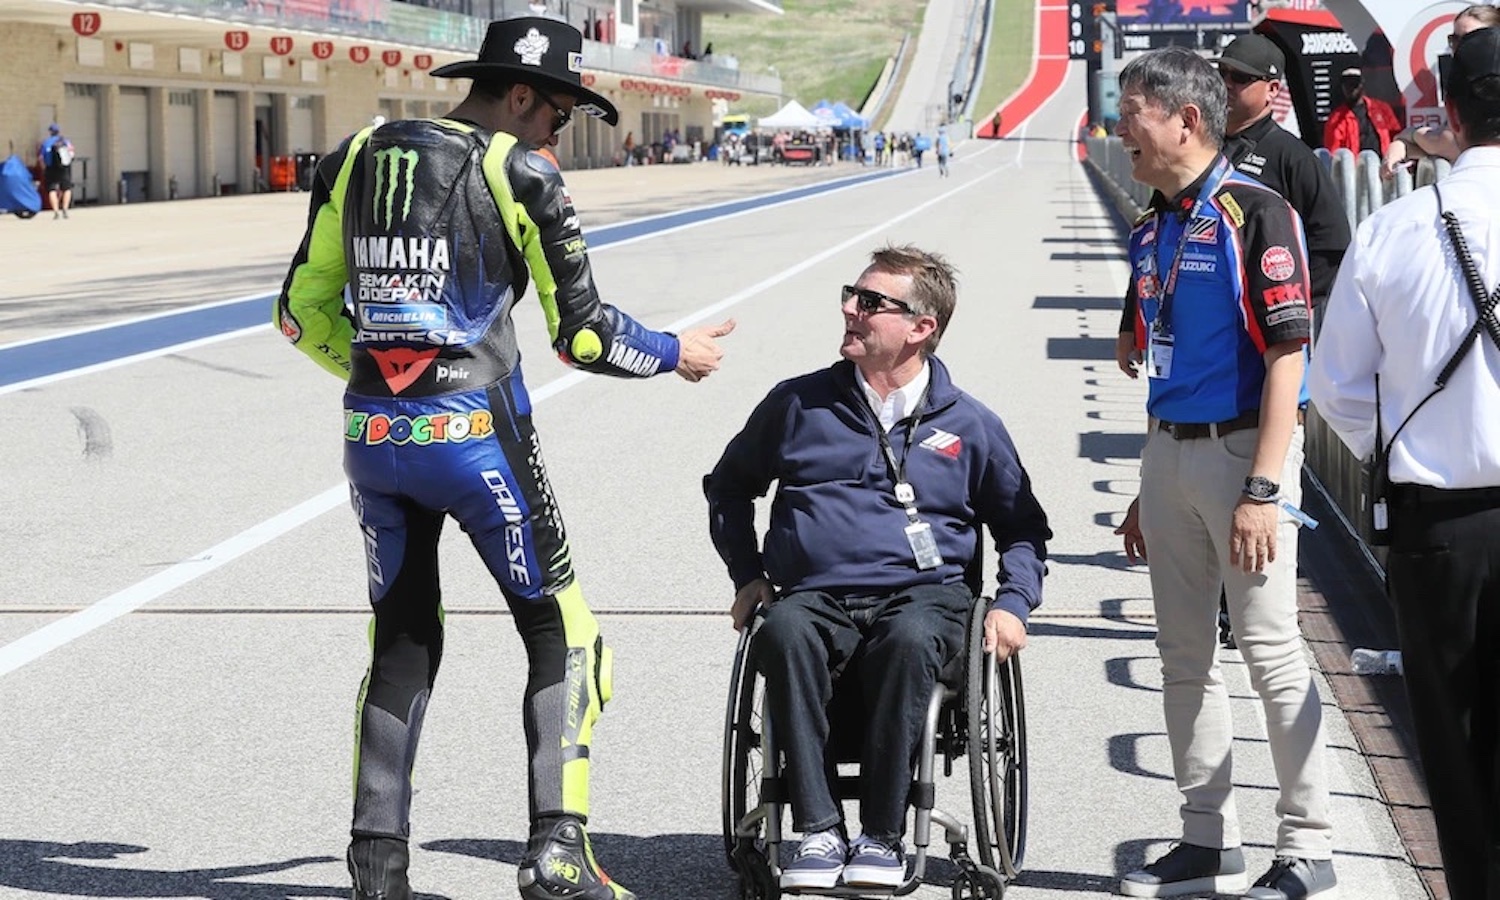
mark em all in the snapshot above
pixel 942 442
pixel 1203 230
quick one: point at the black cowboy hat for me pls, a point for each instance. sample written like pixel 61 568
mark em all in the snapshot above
pixel 532 50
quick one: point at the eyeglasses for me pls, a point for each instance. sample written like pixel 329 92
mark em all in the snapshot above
pixel 562 116
pixel 1240 78
pixel 871 302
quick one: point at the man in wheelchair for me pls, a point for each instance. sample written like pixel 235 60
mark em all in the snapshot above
pixel 885 472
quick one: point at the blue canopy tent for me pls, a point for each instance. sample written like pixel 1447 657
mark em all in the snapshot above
pixel 849 118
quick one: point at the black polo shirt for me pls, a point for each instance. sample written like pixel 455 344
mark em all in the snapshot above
pixel 1273 156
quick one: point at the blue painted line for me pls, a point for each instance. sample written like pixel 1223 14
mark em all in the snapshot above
pixel 113 342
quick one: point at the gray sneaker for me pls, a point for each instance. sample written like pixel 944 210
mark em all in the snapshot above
pixel 1292 878
pixel 1189 869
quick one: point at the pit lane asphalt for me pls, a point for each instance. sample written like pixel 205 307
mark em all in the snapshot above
pixel 200 747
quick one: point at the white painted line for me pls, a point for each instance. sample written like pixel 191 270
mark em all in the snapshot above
pixel 146 318
pixel 140 357
pixel 55 634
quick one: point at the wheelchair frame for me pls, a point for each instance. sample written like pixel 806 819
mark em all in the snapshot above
pixel 986 719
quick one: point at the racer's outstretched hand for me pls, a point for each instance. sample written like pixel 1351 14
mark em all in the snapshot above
pixel 747 598
pixel 699 352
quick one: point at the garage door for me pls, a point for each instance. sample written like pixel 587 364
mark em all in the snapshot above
pixel 182 142
pixel 135 155
pixel 227 137
pixel 299 125
pixel 80 122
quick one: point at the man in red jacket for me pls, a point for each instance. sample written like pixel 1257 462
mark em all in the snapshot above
pixel 1360 122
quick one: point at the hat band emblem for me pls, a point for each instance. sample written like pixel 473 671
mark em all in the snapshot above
pixel 532 47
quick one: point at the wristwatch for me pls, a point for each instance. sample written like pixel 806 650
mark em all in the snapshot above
pixel 1261 489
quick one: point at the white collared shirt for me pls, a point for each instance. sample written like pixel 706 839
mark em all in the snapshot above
pixel 901 403
pixel 1399 308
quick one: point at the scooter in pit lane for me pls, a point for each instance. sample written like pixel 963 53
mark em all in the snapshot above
pixel 18 193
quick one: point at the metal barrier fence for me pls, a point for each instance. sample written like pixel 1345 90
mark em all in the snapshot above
pixel 1362 190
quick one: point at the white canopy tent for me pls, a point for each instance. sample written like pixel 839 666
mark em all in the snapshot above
pixel 793 115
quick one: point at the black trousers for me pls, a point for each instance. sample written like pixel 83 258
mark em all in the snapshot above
pixel 895 646
pixel 1443 574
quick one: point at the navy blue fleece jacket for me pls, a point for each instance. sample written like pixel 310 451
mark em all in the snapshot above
pixel 836 525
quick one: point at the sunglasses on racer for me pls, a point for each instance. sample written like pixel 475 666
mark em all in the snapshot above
pixel 561 117
pixel 870 302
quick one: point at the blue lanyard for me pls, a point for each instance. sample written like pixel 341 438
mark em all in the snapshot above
pixel 1163 322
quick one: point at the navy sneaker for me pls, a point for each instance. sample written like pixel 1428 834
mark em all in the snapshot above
pixel 1189 869
pixel 1290 878
pixel 563 867
pixel 378 867
pixel 874 863
pixel 818 862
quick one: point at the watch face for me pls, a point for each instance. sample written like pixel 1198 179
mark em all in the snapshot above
pixel 1261 487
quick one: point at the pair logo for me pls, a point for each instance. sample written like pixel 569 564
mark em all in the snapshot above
pixel 395 176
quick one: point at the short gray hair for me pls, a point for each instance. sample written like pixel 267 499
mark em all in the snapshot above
pixel 1176 77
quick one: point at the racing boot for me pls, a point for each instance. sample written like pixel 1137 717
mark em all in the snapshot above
pixel 378 867
pixel 559 865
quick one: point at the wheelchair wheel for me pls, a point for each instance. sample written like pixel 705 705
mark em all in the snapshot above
pixel 743 762
pixel 995 709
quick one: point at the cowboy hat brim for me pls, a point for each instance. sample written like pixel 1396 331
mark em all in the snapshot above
pixel 589 102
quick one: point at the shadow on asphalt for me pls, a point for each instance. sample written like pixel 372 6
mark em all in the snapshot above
pixel 47 867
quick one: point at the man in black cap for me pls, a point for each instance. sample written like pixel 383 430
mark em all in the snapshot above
pixel 434 228
pixel 1408 366
pixel 1253 67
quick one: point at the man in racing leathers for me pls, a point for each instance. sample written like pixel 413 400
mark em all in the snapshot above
pixel 434 226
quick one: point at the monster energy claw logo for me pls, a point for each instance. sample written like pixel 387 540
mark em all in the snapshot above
pixel 389 164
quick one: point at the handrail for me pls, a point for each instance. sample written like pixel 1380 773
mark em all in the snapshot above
pixel 1363 190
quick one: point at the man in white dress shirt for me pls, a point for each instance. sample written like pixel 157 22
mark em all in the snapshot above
pixel 1400 309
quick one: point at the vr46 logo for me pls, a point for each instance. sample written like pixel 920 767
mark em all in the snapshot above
pixel 395 174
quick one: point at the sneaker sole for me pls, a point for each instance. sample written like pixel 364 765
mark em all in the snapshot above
pixel 1330 893
pixel 873 876
pixel 801 881
pixel 1213 884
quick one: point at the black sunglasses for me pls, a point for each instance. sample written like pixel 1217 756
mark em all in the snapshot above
pixel 563 117
pixel 870 302
pixel 1240 78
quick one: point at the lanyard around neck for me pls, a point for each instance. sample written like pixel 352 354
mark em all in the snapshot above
pixel 1169 287
pixel 904 492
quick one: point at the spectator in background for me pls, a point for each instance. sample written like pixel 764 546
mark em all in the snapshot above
pixel 1360 122
pixel 708 52
pixel 943 150
pixel 1414 144
pixel 55 155
pixel 687 50
pixel 629 146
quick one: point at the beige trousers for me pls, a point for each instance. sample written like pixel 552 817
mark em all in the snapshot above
pixel 1189 490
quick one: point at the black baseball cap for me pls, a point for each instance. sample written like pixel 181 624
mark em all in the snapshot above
pixel 1476 57
pixel 1254 54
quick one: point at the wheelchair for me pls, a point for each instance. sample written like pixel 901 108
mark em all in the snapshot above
pixel 977 708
